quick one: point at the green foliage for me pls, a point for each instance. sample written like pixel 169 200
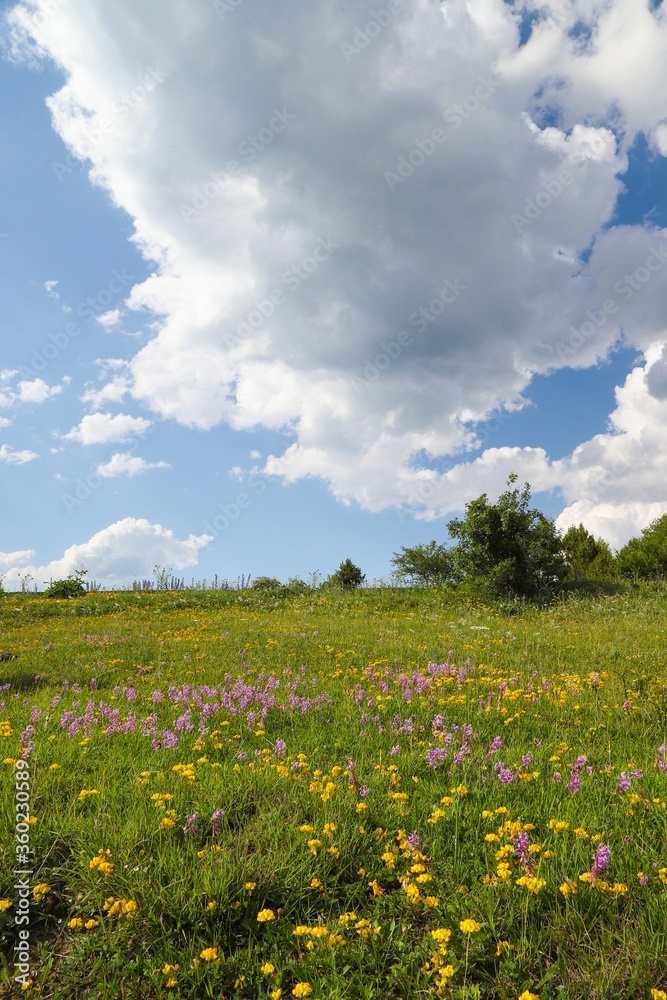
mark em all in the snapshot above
pixel 511 550
pixel 348 576
pixel 588 558
pixel 645 557
pixel 72 586
pixel 431 565
pixel 266 583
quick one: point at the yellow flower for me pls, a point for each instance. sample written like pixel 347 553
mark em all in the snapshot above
pixel 265 915
pixel 469 926
pixel 211 905
pixel 268 968
pixel 568 888
pixel 75 924
pixel 209 954
pixel 172 981
pixel 90 925
pixel 658 995
pixel 441 934
pixel 527 995
pixel 250 886
pixel 5 904
pixel 170 968
pixel 302 990
pixel 276 994
pixel 41 890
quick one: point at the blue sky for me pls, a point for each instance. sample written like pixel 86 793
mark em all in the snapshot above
pixel 278 291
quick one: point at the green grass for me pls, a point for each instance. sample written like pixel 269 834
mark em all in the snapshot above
pixel 584 677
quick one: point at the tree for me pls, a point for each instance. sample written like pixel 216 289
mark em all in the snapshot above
pixel 513 550
pixel 645 557
pixel 431 565
pixel 347 576
pixel 588 558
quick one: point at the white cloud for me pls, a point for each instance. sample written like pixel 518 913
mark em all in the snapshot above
pixel 36 391
pixel 441 180
pixel 29 390
pixel 109 319
pixel 129 548
pixel 4 422
pixel 616 523
pixel 12 457
pixel 13 559
pixel 104 428
pixel 113 392
pixel 125 464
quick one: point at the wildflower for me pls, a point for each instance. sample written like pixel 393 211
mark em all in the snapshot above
pixel 215 821
pixel 75 924
pixel 267 968
pixel 527 995
pixel 250 886
pixel 190 827
pixel 658 995
pixel 41 890
pixel 209 954
pixel 90 925
pixel 302 990
pixel 276 994
pixel 265 915
pixel 441 935
pixel 601 860
pixel 568 888
pixel 469 926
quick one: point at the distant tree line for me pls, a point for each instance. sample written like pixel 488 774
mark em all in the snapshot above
pixel 509 550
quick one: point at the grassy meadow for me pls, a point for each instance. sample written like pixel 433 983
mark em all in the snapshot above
pixel 376 794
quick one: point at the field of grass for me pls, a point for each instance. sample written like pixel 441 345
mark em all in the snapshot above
pixel 386 793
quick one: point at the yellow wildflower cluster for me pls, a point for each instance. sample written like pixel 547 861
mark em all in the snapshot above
pixel 120 908
pixel 101 863
pixel 185 770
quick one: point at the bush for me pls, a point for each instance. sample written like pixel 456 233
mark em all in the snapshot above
pixel 71 587
pixel 266 583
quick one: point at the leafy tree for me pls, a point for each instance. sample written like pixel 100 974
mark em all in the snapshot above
pixel 513 550
pixel 645 557
pixel 347 576
pixel 588 558
pixel 430 565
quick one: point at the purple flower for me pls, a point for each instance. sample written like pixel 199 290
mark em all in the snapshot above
pixel 643 880
pixel 555 778
pixel 601 860
pixel 624 781
pixel 395 750
pixel 526 759
pixel 435 756
pixel 280 748
pixel 574 784
pixel 413 840
pixel 215 821
pixel 496 743
pixel 364 791
pixel 190 824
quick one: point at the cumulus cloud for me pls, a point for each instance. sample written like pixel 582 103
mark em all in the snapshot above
pixel 126 464
pixel 11 456
pixel 9 559
pixel 371 238
pixel 103 428
pixel 129 548
pixel 112 392
pixel 28 390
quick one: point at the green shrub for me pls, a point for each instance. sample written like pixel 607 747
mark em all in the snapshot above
pixel 71 587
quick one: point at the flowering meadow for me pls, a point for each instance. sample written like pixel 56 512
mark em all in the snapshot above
pixel 384 793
